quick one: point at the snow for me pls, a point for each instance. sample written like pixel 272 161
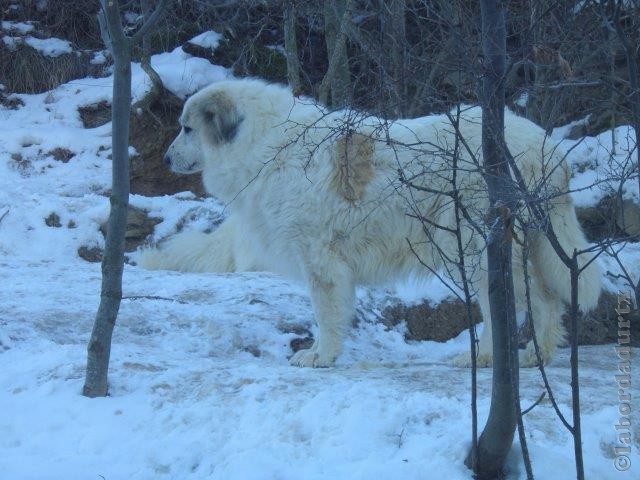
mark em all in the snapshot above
pixel 200 386
pixel 594 159
pixel 98 58
pixel 208 39
pixel 11 42
pixel 181 73
pixel 49 47
pixel 522 100
pixel 188 400
pixel 19 27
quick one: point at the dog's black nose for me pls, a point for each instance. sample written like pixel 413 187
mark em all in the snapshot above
pixel 167 160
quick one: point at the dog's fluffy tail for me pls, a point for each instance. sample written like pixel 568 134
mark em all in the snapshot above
pixel 194 252
pixel 551 269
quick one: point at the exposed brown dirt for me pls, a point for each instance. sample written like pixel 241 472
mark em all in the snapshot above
pixel 424 322
pixel 153 128
pixel 53 220
pixel 62 154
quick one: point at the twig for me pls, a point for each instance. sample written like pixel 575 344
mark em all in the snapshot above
pixel 535 404
pixel 153 297
pixel 6 212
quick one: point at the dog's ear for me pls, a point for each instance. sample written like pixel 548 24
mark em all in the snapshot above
pixel 221 119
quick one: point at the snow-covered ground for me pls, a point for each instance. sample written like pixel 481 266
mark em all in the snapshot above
pixel 200 386
pixel 597 160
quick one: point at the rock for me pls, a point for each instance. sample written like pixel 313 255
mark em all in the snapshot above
pixel 301 343
pixel 304 339
pixel 600 325
pixel 95 115
pixel 610 218
pixel 139 226
pixel 628 218
pixel 11 102
pixel 597 222
pixel 90 254
pixel 62 154
pixel 448 319
pixel 424 322
pixel 53 220
pixel 21 164
pixel 253 350
pixel 595 124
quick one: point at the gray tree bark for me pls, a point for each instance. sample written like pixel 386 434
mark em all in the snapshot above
pixel 157 87
pixel 291 47
pixel 99 348
pixel 337 80
pixel 497 437
pixel 394 53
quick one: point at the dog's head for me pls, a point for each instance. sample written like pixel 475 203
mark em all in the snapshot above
pixel 209 120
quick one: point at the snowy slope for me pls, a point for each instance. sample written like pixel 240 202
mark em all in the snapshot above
pixel 200 384
pixel 595 160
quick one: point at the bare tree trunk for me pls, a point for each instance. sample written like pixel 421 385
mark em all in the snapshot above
pixel 574 271
pixel 99 348
pixel 157 87
pixel 394 53
pixel 338 76
pixel 291 47
pixel 462 268
pixel 496 439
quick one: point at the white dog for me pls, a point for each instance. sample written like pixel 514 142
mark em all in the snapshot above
pixel 333 210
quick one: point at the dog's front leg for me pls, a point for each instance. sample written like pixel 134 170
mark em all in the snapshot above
pixel 332 296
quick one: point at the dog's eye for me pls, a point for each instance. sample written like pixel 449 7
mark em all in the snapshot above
pixel 187 129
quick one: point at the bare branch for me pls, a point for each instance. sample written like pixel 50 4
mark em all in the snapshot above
pixel 151 21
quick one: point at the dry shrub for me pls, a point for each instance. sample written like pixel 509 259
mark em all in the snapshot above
pixel 25 70
pixel 71 20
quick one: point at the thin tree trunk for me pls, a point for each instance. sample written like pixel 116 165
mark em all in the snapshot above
pixel 574 271
pixel 157 87
pixel 99 349
pixel 291 47
pixel 462 269
pixel 338 76
pixel 394 53
pixel 497 437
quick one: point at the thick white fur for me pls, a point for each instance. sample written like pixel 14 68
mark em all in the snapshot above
pixel 221 251
pixel 275 174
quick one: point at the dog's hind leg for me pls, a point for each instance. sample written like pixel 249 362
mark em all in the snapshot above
pixel 332 296
pixel 484 356
pixel 547 309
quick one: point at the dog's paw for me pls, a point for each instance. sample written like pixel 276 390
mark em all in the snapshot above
pixel 464 360
pixel 528 358
pixel 311 358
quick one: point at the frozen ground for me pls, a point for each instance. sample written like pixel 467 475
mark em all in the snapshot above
pixel 189 398
pixel 199 381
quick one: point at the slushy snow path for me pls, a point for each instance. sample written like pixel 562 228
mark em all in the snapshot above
pixel 188 399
